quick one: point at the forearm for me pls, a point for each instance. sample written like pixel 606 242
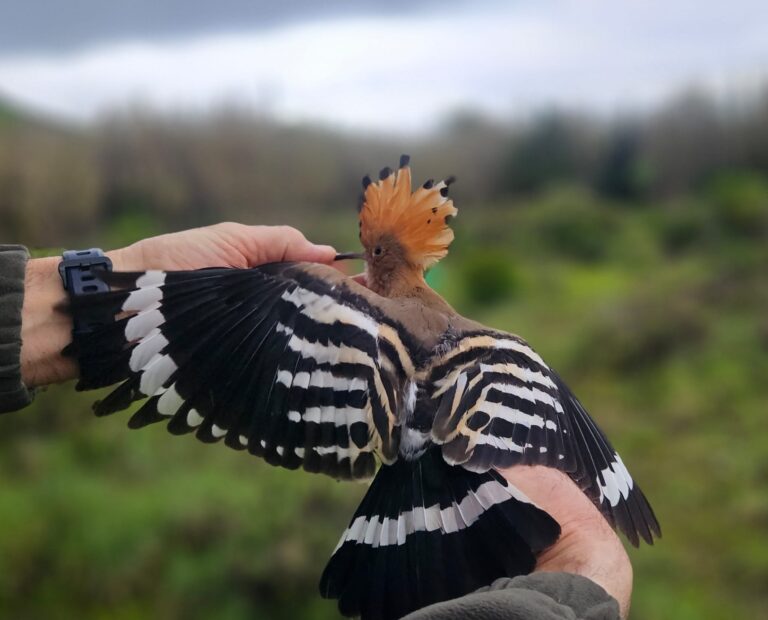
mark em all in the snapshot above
pixel 44 330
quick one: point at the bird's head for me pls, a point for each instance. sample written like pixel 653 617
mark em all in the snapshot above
pixel 403 231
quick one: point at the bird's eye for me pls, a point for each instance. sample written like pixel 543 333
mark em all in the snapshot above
pixel 377 251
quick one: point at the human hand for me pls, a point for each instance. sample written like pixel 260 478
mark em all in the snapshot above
pixel 223 245
pixel 45 332
pixel 587 545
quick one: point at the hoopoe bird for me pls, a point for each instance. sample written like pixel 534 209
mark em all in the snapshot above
pixel 306 368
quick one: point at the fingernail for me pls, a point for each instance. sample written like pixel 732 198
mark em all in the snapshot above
pixel 326 251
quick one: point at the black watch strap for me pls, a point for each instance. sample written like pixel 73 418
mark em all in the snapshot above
pixel 76 271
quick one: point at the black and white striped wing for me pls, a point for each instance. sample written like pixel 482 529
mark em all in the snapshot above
pixel 286 360
pixel 499 404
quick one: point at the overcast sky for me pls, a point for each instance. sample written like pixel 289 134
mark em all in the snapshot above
pixel 60 25
pixel 362 64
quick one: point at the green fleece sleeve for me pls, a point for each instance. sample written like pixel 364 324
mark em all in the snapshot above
pixel 543 596
pixel 13 262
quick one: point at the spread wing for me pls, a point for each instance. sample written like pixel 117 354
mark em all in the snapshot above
pixel 498 404
pixel 292 362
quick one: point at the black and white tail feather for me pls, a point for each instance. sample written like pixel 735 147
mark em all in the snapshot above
pixel 426 531
pixel 300 366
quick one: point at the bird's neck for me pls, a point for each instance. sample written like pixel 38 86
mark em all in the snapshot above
pixel 405 282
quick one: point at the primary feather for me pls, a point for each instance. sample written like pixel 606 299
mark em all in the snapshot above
pixel 302 366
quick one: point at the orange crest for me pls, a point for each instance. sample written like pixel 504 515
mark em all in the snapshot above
pixel 418 220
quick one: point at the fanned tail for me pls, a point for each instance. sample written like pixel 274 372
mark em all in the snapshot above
pixel 426 532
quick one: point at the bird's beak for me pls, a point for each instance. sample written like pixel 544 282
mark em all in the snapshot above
pixel 348 255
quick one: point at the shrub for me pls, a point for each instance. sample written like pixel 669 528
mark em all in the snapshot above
pixel 741 203
pixel 573 225
pixel 682 226
pixel 488 276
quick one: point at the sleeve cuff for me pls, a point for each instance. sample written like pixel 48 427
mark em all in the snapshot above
pixel 554 596
pixel 13 262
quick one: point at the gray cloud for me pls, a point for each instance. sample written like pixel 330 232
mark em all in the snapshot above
pixel 388 66
pixel 54 25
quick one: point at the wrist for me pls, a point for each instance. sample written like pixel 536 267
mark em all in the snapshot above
pixel 591 549
pixel 45 330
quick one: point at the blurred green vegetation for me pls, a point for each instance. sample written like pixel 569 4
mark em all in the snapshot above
pixel 635 261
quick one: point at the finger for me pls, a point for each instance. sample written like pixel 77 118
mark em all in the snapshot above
pixel 298 248
pixel 269 244
pixel 312 253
